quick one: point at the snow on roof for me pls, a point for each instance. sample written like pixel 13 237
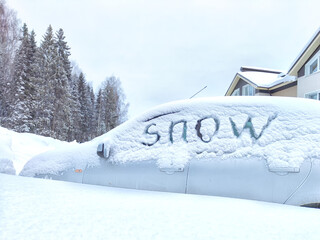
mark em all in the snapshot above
pixel 265 79
pixel 282 131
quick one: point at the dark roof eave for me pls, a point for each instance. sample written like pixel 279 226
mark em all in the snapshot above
pixel 304 50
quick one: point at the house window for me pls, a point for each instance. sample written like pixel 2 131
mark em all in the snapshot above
pixel 312 66
pixel 236 92
pixel 248 90
pixel 313 95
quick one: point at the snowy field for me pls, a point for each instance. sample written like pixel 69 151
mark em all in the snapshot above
pixel 45 209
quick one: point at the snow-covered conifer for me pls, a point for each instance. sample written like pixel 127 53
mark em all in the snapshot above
pixel 20 117
pixel 46 63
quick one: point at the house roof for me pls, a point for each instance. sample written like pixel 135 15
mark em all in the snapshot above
pixel 261 78
pixel 305 53
pixel 270 79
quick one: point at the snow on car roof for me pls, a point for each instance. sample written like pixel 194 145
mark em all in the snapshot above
pixel 282 131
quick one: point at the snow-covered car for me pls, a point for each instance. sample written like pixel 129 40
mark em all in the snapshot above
pixel 259 148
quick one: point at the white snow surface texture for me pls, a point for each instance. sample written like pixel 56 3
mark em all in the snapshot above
pixel 282 131
pixel 33 208
pixel 16 149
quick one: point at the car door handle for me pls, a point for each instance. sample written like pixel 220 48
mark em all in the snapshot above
pixel 284 169
pixel 171 170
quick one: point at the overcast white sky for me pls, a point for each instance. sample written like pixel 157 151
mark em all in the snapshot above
pixel 168 50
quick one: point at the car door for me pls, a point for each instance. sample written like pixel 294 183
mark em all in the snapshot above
pixel 247 178
pixel 144 175
pixel 70 175
pixel 308 193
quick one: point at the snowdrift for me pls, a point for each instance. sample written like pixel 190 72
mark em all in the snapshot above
pixel 18 148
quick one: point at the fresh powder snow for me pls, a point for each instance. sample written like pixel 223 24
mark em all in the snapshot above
pixel 16 149
pixel 282 131
pixel 33 208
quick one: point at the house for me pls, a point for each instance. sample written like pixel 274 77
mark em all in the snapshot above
pixel 301 80
pixel 251 81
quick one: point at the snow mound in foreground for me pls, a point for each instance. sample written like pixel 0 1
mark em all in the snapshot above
pixel 77 156
pixel 6 166
pixel 282 131
pixel 18 148
pixel 42 209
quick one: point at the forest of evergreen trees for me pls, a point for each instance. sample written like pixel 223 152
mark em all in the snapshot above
pixel 42 93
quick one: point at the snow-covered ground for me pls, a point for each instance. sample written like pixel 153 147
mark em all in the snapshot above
pixel 45 209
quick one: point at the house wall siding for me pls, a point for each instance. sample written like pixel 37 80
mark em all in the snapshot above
pixel 288 92
pixel 262 94
pixel 308 84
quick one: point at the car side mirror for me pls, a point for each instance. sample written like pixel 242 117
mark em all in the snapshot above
pixel 103 151
pixel 100 150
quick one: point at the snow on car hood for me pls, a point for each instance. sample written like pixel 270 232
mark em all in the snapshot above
pixel 282 131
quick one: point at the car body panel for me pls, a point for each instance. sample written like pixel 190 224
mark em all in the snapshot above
pixel 145 175
pixel 309 190
pixel 70 175
pixel 243 178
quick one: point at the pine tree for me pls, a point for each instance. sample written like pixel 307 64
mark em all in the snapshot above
pixel 33 73
pixel 84 108
pixel 46 64
pixel 62 120
pixel 74 130
pixel 64 53
pixel 100 114
pixel 9 39
pixel 91 113
pixel 20 117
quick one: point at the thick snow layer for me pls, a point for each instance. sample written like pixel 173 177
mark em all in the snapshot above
pixel 265 79
pixel 44 209
pixel 6 166
pixel 282 131
pixel 18 148
pixel 77 156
